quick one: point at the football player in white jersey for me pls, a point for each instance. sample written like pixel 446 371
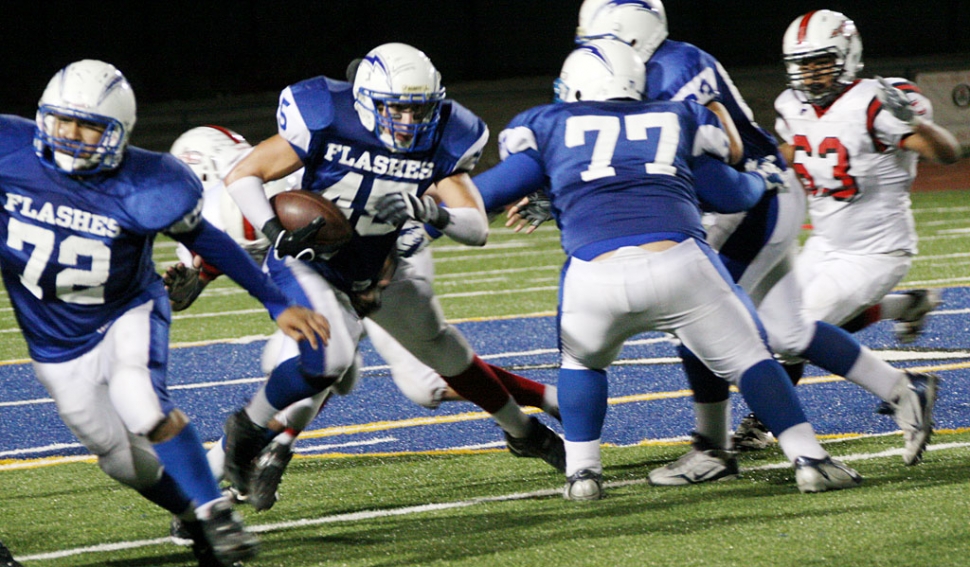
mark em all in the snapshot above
pixel 757 247
pixel 386 148
pixel 854 144
pixel 622 188
pixel 211 151
pixel 81 212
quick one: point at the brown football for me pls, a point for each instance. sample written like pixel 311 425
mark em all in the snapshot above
pixel 298 208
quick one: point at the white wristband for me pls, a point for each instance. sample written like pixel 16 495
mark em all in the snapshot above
pixel 249 194
pixel 467 225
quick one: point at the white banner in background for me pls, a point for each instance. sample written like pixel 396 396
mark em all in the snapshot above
pixel 950 93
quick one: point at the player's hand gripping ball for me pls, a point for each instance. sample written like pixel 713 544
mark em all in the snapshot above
pixel 297 209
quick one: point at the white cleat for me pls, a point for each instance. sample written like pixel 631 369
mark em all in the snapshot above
pixel 820 475
pixel 912 400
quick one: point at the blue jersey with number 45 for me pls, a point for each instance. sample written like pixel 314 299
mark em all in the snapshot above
pixel 618 169
pixel 347 164
pixel 76 252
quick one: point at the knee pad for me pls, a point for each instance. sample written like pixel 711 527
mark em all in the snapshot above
pixel 134 464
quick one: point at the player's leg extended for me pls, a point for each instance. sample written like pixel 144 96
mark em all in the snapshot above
pixel 725 333
pixel 302 372
pixel 412 315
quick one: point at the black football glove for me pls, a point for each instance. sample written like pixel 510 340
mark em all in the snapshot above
pixel 397 208
pixel 538 210
pixel 184 285
pixel 299 243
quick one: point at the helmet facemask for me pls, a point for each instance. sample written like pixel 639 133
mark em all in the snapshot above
pixel 816 76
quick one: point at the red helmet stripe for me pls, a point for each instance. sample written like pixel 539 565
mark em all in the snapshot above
pixel 803 25
pixel 228 133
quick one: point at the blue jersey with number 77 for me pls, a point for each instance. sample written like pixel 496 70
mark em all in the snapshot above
pixel 618 169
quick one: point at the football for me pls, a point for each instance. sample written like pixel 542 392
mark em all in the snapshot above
pixel 298 208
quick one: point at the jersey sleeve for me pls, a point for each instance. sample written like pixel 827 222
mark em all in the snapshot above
pixel 890 130
pixel 781 124
pixel 304 107
pixel 710 139
pixel 464 136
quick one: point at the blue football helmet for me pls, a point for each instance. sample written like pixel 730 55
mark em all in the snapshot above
pixel 392 81
pixel 92 93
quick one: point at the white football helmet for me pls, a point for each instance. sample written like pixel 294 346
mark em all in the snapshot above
pixel 395 76
pixel 92 92
pixel 639 23
pixel 601 69
pixel 210 151
pixel 822 35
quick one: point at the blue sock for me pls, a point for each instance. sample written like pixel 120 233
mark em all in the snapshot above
pixel 770 395
pixel 184 458
pixel 582 403
pixel 707 387
pixel 832 349
pixel 288 384
pixel 167 494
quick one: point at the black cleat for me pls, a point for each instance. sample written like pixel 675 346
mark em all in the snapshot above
pixel 542 443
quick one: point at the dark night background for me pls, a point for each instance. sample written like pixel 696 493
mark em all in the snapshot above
pixel 189 51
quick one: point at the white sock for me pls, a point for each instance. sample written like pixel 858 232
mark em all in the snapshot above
pixel 893 305
pixel 550 400
pixel 713 421
pixel 512 419
pixel 874 374
pixel 583 455
pixel 799 441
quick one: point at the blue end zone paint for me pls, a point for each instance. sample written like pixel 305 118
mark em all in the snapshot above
pixel 835 407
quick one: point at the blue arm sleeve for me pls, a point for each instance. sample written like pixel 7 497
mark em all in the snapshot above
pixel 218 249
pixel 509 181
pixel 723 189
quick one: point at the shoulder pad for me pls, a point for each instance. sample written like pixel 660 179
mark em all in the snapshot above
pixel 168 193
pixel 313 98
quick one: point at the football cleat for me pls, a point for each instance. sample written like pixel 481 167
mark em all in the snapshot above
pixel 584 486
pixel 912 400
pixel 179 534
pixel 226 535
pixel 542 443
pixel 751 435
pixel 244 441
pixel 820 475
pixel 6 558
pixel 910 324
pixel 268 474
pixel 200 545
pixel 704 463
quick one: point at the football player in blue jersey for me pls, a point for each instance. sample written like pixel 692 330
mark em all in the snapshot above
pixel 758 249
pixel 386 148
pixel 210 151
pixel 80 215
pixel 620 174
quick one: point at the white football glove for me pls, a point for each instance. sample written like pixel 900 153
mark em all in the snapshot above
pixel 768 169
pixel 897 103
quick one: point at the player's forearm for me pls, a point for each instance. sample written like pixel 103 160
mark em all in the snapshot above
pixel 934 143
pixel 725 189
pixel 249 195
pixel 221 251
